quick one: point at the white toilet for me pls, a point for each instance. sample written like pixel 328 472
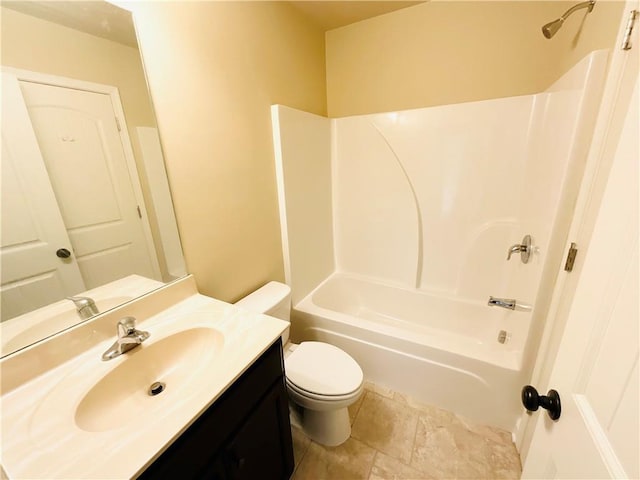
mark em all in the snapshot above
pixel 322 379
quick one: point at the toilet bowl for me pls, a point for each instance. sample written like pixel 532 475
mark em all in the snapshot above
pixel 322 380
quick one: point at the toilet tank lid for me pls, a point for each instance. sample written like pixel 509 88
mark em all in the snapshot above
pixel 265 298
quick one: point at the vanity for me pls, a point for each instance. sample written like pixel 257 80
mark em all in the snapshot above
pixel 245 434
pixel 203 397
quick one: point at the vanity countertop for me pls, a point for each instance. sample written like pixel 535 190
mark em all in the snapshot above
pixel 45 433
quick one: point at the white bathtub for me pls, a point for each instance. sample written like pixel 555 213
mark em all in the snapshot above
pixel 442 351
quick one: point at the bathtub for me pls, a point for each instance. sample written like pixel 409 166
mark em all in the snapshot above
pixel 441 351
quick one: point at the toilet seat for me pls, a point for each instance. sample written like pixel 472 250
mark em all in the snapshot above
pixel 322 371
pixel 330 399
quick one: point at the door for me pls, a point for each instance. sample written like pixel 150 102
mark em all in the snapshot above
pixel 596 371
pixel 80 142
pixel 32 227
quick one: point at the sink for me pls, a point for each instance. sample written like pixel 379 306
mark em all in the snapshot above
pixel 122 396
pixel 68 414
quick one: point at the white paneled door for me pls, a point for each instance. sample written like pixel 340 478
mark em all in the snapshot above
pixel 82 149
pixel 596 371
pixel 32 227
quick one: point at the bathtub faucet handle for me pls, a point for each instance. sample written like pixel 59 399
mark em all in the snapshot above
pixel 524 248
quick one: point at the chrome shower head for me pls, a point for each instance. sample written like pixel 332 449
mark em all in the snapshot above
pixel 551 28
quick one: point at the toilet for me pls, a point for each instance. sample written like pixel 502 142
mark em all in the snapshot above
pixel 322 380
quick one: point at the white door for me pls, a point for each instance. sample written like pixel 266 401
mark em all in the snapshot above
pixel 596 371
pixel 80 142
pixel 32 227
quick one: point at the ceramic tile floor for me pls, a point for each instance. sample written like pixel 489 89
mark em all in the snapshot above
pixel 394 437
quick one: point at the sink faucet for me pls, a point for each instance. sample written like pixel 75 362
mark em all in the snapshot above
pixel 128 337
pixel 85 306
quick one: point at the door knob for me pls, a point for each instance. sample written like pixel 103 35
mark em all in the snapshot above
pixel 550 402
pixel 63 253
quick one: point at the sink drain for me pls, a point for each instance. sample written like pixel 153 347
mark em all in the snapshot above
pixel 156 388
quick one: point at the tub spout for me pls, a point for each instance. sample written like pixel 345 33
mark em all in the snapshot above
pixel 502 302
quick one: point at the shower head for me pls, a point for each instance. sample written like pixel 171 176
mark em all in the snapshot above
pixel 551 28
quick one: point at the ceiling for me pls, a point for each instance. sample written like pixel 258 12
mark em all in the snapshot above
pixel 97 18
pixel 333 14
pixel 105 20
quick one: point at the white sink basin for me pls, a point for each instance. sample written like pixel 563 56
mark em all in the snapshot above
pixel 122 397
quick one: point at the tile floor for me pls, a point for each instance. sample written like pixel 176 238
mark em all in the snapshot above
pixel 395 437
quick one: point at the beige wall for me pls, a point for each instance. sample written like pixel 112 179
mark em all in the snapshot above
pixel 214 70
pixel 444 52
pixel 216 67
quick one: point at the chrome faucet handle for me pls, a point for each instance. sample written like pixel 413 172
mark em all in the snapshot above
pixel 128 338
pixel 524 249
pixel 126 326
pixel 81 301
pixel 85 306
pixel 513 249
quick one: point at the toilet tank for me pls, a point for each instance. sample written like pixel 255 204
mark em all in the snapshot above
pixel 273 299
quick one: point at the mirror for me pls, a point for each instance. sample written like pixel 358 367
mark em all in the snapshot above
pixel 86 206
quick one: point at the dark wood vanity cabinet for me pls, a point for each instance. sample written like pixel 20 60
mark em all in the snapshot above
pixel 245 434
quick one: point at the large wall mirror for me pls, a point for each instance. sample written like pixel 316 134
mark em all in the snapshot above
pixel 87 218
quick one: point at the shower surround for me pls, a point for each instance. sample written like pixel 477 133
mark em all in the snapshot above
pixel 396 227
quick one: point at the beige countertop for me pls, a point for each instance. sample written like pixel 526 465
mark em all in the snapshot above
pixel 44 385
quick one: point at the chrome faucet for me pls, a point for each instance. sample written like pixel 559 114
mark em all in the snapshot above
pixel 85 307
pixel 128 337
pixel 523 248
pixel 502 302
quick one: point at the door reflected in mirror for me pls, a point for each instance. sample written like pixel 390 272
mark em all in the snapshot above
pixel 86 205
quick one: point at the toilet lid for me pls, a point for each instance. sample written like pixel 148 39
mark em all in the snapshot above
pixel 323 369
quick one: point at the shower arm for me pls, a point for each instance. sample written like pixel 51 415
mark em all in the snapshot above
pixel 551 28
pixel 579 6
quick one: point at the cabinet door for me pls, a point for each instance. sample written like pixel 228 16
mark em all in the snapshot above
pixel 214 470
pixel 262 447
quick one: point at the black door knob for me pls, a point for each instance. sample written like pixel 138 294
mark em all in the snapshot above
pixel 550 402
pixel 63 253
